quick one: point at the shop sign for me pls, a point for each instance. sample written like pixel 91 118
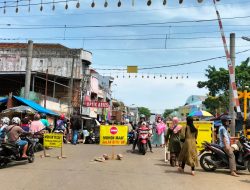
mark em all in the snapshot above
pixel 96 104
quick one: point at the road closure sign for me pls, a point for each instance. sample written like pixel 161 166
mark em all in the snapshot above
pixel 53 140
pixel 113 134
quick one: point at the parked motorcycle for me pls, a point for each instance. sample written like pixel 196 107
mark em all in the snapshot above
pixel 142 142
pixel 216 158
pixel 13 153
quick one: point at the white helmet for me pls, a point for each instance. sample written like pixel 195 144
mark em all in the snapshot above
pixel 16 120
pixel 5 120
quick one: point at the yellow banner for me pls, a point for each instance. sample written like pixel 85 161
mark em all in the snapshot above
pixel 205 131
pixel 132 69
pixel 113 134
pixel 53 140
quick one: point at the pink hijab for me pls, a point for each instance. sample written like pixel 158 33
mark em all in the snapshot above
pixel 160 126
pixel 175 127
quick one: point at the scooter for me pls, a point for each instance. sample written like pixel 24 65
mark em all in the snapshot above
pixel 13 153
pixel 142 143
pixel 216 158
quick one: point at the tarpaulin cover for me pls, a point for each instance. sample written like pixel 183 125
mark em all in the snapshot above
pixel 35 106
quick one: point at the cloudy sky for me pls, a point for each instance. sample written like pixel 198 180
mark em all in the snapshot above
pixel 145 36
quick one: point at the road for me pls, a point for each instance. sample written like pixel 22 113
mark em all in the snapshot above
pixel 79 171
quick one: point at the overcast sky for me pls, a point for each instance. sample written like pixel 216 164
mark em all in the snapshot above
pixel 138 35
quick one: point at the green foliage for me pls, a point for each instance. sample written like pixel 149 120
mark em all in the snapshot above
pixel 145 111
pixel 167 112
pixel 218 85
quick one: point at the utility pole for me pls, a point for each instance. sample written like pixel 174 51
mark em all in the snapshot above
pixel 46 88
pixel 84 85
pixel 71 87
pixel 231 95
pixel 28 70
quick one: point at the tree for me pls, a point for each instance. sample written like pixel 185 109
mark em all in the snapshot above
pixel 145 111
pixel 218 85
pixel 167 112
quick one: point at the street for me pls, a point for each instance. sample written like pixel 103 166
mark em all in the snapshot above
pixel 134 171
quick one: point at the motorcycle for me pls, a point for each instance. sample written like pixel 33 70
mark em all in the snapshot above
pixel 13 153
pixel 143 136
pixel 216 158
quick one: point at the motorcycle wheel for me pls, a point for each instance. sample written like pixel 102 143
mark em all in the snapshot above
pixel 31 157
pixel 206 166
pixel 143 149
pixel 3 164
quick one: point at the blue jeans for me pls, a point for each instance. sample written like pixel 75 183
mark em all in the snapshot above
pixel 21 143
pixel 75 136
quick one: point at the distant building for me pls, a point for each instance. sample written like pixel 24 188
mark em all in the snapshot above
pixel 57 60
pixel 193 103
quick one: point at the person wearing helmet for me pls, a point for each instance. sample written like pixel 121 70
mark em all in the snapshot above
pixel 45 122
pixel 136 132
pixel 13 133
pixel 225 143
pixel 3 125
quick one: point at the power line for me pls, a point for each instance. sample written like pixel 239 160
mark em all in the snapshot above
pixel 29 27
pixel 175 65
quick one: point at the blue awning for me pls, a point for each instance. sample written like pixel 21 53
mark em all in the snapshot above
pixel 35 106
pixel 3 100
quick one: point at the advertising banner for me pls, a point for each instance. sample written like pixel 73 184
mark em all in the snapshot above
pixel 113 135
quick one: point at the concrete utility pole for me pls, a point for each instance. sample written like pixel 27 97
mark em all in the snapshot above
pixel 85 82
pixel 231 96
pixel 71 88
pixel 28 69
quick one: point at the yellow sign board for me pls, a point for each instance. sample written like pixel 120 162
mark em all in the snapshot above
pixel 205 131
pixel 113 134
pixel 132 69
pixel 53 140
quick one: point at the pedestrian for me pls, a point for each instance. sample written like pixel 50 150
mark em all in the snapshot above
pixel 159 132
pixel 188 154
pixel 76 125
pixel 173 140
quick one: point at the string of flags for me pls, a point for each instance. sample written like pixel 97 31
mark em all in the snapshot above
pixel 28 3
pixel 146 76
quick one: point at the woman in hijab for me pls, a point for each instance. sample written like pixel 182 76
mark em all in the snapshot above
pixel 160 128
pixel 173 140
pixel 188 154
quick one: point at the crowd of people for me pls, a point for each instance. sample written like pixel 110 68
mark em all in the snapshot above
pixel 12 128
pixel 181 141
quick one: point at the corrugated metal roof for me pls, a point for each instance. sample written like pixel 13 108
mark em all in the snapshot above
pixel 35 45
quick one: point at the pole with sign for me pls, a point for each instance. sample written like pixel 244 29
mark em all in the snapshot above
pixel 54 140
pixel 113 135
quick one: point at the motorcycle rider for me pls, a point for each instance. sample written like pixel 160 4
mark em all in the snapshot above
pixel 45 122
pixel 142 119
pixel 225 143
pixel 4 124
pixel 13 132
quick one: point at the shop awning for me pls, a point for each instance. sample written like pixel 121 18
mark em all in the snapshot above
pixel 3 100
pixel 35 106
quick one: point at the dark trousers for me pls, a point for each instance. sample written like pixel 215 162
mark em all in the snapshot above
pixel 183 166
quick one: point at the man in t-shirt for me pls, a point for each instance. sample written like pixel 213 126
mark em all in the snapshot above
pixel 76 125
pixel 225 143
pixel 45 122
pixel 13 133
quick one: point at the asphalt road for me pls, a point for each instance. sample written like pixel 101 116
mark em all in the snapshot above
pixel 79 171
